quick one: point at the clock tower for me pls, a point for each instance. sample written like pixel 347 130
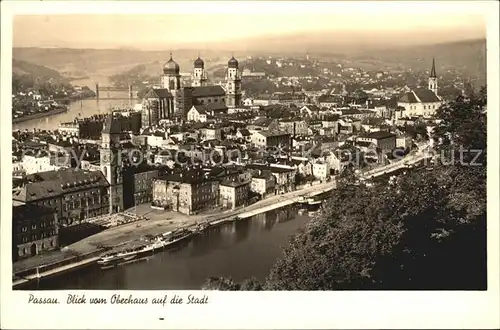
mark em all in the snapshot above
pixel 111 165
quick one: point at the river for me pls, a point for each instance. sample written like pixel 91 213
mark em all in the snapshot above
pixel 242 249
pixel 85 108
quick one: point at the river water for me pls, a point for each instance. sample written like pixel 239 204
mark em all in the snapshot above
pixel 242 249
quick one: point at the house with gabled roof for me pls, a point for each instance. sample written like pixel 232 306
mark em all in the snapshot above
pixel 198 113
pixel 310 110
pixel 422 102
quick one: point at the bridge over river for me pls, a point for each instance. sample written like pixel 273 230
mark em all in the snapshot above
pixel 411 159
pixel 115 93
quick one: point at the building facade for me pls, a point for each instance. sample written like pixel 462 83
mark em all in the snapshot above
pixel 294 127
pixel 187 193
pixel 73 195
pixel 233 193
pixel 263 183
pixel 385 141
pixel 35 230
pixel 265 139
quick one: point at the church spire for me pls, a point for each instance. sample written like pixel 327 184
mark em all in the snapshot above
pixel 433 80
pixel 433 70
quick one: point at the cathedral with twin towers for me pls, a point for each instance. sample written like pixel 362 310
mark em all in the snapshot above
pixel 173 101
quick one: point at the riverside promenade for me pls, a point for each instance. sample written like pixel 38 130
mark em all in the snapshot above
pixel 87 251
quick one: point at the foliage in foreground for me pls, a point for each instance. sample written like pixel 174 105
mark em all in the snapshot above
pixel 426 231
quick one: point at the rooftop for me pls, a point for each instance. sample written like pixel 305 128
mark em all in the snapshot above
pixel 206 91
pixel 29 211
pixel 380 135
pixel 233 183
pixel 111 125
pixel 194 176
pixel 273 169
pixel 50 184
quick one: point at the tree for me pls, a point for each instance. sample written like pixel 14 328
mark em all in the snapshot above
pixel 251 284
pixel 421 131
pixel 220 284
pixel 428 231
pixel 463 124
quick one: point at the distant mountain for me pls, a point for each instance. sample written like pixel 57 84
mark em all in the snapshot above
pixel 468 57
pixel 83 62
pixel 372 53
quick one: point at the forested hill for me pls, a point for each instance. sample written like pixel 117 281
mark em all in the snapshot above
pixel 26 75
pixel 37 71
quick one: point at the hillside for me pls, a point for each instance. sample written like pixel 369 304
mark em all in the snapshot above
pixel 84 62
pixel 468 57
pixel 27 76
pixel 23 68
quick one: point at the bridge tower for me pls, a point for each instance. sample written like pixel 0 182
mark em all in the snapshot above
pixel 97 91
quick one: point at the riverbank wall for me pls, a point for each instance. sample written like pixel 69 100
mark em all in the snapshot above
pixel 280 204
pixel 28 275
pixel 38 115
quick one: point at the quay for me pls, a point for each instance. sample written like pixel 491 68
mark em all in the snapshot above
pixel 87 251
pixel 39 115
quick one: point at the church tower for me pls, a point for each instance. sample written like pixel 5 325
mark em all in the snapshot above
pixel 171 78
pixel 233 84
pixel 199 76
pixel 111 166
pixel 433 80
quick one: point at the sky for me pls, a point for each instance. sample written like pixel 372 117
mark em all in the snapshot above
pixel 178 29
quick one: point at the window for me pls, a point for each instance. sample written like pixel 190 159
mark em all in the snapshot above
pixel 33 226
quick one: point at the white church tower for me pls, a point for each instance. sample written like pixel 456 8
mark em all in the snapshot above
pixel 199 76
pixel 433 80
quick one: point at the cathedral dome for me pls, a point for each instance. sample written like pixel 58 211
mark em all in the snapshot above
pixel 198 63
pixel 171 67
pixel 232 63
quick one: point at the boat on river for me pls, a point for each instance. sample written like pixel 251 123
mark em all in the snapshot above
pixel 173 237
pixel 156 243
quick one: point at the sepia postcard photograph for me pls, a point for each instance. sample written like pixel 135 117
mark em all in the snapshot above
pixel 181 165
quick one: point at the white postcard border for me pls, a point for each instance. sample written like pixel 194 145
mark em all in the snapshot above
pixel 231 310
